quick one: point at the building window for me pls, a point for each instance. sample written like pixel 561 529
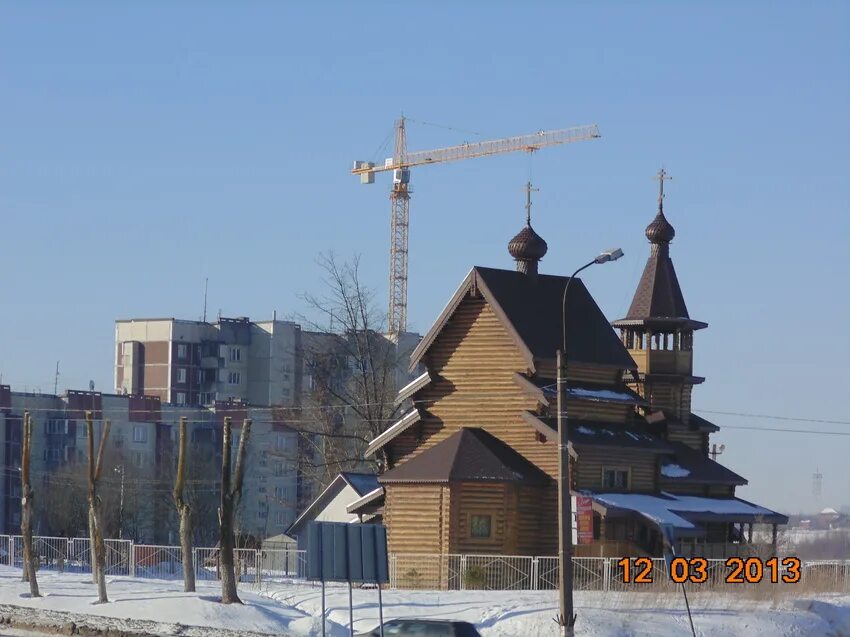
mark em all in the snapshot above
pixel 261 489
pixel 57 426
pixel 615 478
pixel 181 398
pixel 181 350
pixel 140 434
pixel 480 526
pixel 235 354
pixel 137 459
pixel 278 493
pixel 181 375
pixel 281 442
pixel 281 518
pixel 234 378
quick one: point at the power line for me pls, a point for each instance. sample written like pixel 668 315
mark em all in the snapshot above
pixel 769 417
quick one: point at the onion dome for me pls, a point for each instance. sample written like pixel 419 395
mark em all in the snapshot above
pixel 660 230
pixel 527 245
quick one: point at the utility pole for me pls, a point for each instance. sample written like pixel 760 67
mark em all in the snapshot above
pixel 120 469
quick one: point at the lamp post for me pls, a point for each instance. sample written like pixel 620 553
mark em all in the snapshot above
pixel 566 618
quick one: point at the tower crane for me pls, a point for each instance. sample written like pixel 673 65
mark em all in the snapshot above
pixel 400 164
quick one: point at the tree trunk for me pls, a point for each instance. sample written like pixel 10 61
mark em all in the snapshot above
pixel 228 577
pixel 30 559
pixel 186 546
pixel 98 557
pixel 92 545
pixel 229 499
pixel 184 511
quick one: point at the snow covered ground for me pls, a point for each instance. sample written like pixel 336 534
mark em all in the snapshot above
pixel 512 614
pixel 293 609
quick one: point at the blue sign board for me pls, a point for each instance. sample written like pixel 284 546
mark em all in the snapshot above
pixel 340 552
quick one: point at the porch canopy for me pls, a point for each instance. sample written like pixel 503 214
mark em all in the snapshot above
pixel 686 514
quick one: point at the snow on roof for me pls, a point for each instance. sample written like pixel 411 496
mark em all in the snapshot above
pixel 674 471
pixel 663 509
pixel 829 511
pixel 585 431
pixel 600 394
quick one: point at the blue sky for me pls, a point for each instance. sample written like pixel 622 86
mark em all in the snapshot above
pixel 146 146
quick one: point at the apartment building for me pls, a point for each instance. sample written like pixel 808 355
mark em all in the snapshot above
pixel 198 363
pixel 139 462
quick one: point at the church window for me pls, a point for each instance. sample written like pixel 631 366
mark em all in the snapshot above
pixel 480 526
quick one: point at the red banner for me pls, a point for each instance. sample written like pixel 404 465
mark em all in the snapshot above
pixel 584 519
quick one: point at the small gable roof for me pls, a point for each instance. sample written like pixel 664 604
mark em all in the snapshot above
pixel 468 455
pixel 363 483
pixel 530 309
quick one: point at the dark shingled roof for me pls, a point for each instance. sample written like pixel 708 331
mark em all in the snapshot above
pixel 702 468
pixel 589 433
pixel 533 307
pixel 658 294
pixel 468 455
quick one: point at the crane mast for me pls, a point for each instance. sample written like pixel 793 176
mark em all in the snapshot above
pixel 399 233
pixel 400 164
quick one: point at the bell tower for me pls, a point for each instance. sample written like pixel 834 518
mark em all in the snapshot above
pixel 658 331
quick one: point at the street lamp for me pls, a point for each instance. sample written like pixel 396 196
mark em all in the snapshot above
pixel 567 618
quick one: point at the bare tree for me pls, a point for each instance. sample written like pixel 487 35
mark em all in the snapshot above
pixel 230 496
pixel 95 507
pixel 30 558
pixel 184 511
pixel 353 368
pixel 64 504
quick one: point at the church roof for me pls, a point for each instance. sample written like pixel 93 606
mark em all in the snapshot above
pixel 658 298
pixel 468 455
pixel 530 309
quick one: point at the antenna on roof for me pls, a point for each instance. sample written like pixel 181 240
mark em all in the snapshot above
pixel 56 380
pixel 206 283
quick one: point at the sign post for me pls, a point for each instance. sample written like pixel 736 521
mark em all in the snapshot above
pixel 339 552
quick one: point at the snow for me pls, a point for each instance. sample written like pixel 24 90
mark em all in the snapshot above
pixel 600 394
pixel 161 601
pixel 294 609
pixel 584 430
pixel 674 471
pixel 663 509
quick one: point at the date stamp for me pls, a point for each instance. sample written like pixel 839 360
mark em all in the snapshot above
pixel 697 570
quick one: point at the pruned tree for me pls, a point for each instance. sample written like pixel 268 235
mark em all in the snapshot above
pixel 231 493
pixel 95 507
pixel 184 512
pixel 354 370
pixel 27 496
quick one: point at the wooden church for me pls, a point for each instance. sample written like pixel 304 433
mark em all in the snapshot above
pixel 473 463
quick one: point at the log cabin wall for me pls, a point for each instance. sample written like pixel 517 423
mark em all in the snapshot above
pixel 499 502
pixel 548 368
pixel 417 517
pixel 599 412
pixel 697 440
pixel 537 527
pixel 642 466
pixel 474 359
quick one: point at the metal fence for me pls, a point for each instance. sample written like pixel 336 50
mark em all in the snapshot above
pixel 407 571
